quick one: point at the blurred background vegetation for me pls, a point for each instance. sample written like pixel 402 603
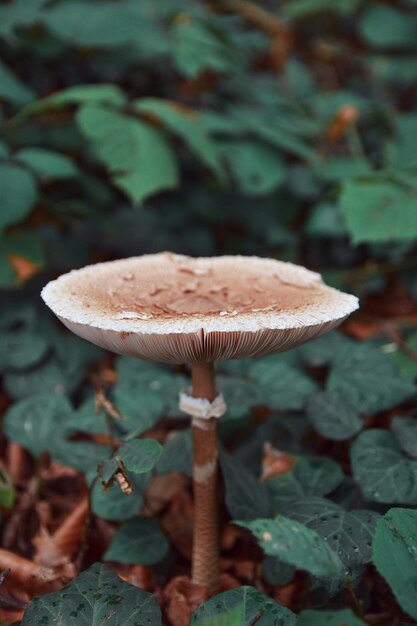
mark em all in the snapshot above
pixel 285 129
pixel 279 129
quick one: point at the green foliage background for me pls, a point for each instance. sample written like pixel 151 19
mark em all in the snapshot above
pixel 284 129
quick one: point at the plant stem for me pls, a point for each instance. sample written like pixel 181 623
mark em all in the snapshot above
pixel 205 566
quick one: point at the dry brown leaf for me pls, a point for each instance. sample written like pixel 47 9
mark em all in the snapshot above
pixel 162 490
pixel 275 462
pixel 33 576
pixel 182 597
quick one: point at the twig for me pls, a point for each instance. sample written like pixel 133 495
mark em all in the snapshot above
pixel 258 16
pixel 396 338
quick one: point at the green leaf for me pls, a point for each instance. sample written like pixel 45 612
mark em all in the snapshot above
pixel 136 154
pixel 241 396
pixel 83 456
pixel 344 617
pixel 405 431
pixel 36 421
pixel 22 349
pixel 309 476
pixel 79 94
pixel 47 164
pixel 98 24
pixel 140 455
pixel 257 167
pixel 406 127
pixel 246 497
pixel 322 351
pixel 11 88
pixel 332 416
pixel 95 597
pixel 379 210
pixel 196 47
pixel 383 473
pixel 141 406
pixel 186 123
pixel 368 379
pixel 7 492
pixel 86 419
pixel 348 533
pixel 387 27
pixel 138 541
pixel 49 376
pixel 406 363
pixel 18 194
pixel 242 607
pixel 295 544
pixel 116 506
pixel 276 572
pixel 177 454
pixel 280 386
pixel 394 554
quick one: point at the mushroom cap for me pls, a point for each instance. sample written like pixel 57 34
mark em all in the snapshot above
pixel 176 309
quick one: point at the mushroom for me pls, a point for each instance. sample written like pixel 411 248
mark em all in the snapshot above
pixel 176 309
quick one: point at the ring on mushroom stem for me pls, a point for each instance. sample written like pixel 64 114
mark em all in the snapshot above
pixel 176 309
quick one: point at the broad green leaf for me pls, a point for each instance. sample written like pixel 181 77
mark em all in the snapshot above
pixel 406 127
pixel 177 454
pixel 79 94
pixel 99 24
pixel 379 210
pixel 295 544
pixel 137 155
pixel 382 471
pixel 114 505
pixel 276 572
pixel 394 554
pixel 241 396
pixel 405 431
pixel 197 47
pixel 47 164
pixel 257 167
pixel 22 349
pixel 246 497
pixel 280 386
pixel 18 194
pixel 48 376
pixel 242 607
pixel 342 168
pixel 140 406
pixel 36 421
pixel 326 220
pixel 86 419
pixel 368 379
pixel 140 455
pixel 83 456
pixel 309 476
pixel 406 363
pixel 343 617
pixel 348 533
pixel 138 541
pixel 19 13
pixel 184 122
pixel 387 27
pixel 11 87
pixel 322 351
pixel 300 9
pixel 332 416
pixel 95 597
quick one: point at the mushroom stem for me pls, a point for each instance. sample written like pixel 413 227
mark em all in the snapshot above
pixel 205 567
